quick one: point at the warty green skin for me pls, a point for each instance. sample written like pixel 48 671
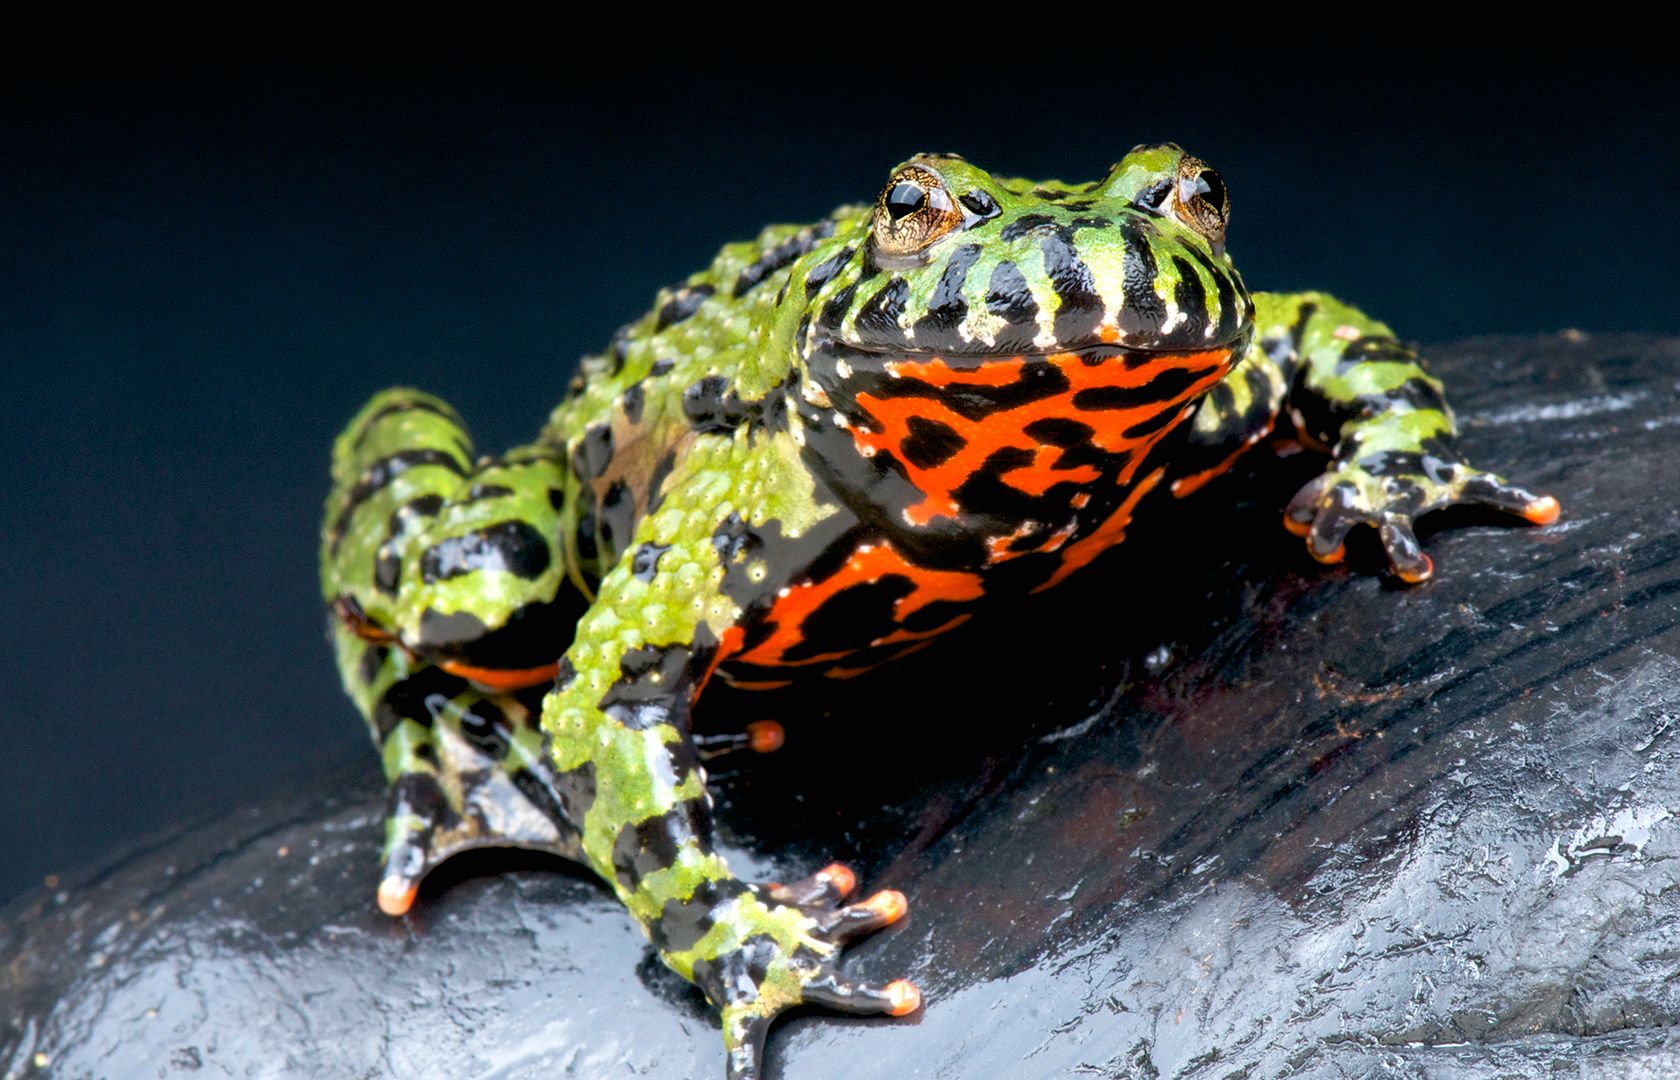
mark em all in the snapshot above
pixel 723 461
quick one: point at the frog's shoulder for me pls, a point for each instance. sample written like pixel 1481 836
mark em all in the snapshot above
pixel 714 325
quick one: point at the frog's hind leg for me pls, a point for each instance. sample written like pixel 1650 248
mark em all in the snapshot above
pixel 452 605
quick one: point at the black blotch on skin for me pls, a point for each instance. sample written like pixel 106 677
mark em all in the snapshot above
pixel 387 568
pixel 618 351
pixel 631 401
pixel 661 367
pixel 617 517
pixel 440 630
pixel 651 686
pixel 774 258
pixel 682 923
pixel 1142 311
pixel 556 499
pixel 731 538
pixel 574 791
pixel 880 313
pixel 382 472
pixel 485 491
pixel 1191 298
pixel 682 305
pixel 930 443
pixel 736 975
pixel 822 273
pixel 406 700
pixel 834 312
pixel 1081 307
pixel 1227 294
pixel 1169 385
pixel 644 561
pixel 587 525
pixel 1038 379
pixel 1009 297
pixel 593 452
pixel 516 547
pixel 1025 224
pixel 646 847
pixel 1222 399
pixel 713 405
pixel 1059 431
pixel 483 725
pixel 373 658
pixel 418 794
pixel 531 635
pixel 946 307
pixel 661 469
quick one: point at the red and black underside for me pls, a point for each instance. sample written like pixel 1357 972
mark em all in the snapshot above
pixel 959 477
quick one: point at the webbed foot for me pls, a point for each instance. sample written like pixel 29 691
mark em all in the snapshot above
pixel 779 950
pixel 1390 494
pixel 468 772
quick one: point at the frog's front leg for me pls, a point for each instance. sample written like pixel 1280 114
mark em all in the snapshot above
pixel 1365 396
pixel 619 715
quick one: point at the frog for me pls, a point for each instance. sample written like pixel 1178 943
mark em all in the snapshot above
pixel 826 450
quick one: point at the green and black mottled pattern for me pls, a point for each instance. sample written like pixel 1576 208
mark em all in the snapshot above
pixel 827 447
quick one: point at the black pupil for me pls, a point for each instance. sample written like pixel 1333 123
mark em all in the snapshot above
pixel 1211 188
pixel 904 199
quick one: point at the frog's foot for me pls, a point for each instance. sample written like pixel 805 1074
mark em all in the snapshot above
pixel 473 775
pixel 760 736
pixel 787 939
pixel 1391 497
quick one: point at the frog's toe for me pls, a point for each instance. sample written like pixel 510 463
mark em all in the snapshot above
pixel 900 997
pixel 1486 489
pixel 1405 554
pixel 827 886
pixel 410 826
pixel 853 921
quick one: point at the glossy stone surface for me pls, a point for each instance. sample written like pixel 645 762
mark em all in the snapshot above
pixel 1213 810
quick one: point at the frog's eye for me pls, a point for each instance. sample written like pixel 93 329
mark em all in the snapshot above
pixel 913 211
pixel 1199 200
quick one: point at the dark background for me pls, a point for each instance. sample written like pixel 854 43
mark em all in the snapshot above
pixel 206 267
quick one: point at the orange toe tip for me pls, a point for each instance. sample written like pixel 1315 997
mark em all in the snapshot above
pixel 1299 528
pixel 396 896
pixel 904 996
pixel 1542 511
pixel 841 876
pixel 1335 556
pixel 889 904
pixel 765 736
pixel 1413 575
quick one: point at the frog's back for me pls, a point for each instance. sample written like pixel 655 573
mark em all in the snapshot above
pixel 702 359
pixel 716 325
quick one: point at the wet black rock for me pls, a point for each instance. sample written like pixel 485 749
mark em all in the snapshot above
pixel 1217 811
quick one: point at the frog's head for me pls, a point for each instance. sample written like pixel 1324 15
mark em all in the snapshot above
pixel 957 263
pixel 1008 343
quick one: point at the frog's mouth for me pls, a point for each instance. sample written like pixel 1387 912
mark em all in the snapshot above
pixel 1132 345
